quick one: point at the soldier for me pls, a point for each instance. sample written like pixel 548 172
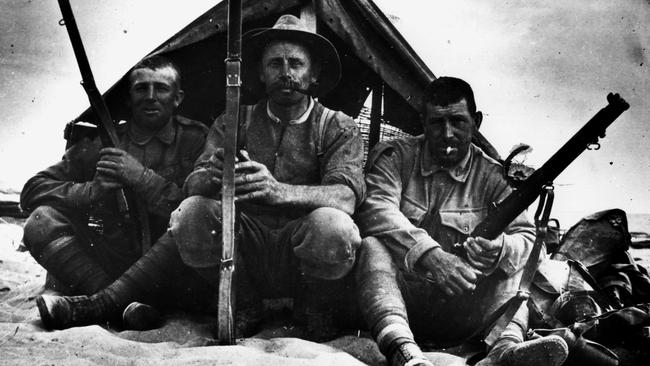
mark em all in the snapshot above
pixel 156 153
pixel 300 181
pixel 425 195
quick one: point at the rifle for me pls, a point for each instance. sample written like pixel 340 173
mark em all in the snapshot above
pixel 539 184
pixel 502 214
pixel 233 84
pixel 106 128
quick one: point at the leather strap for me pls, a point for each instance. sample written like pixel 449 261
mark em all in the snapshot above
pixel 324 119
pixel 502 317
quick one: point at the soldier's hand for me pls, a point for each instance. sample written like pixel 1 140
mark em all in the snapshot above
pixel 254 182
pixel 451 273
pixel 482 254
pixel 119 165
pixel 216 160
pixel 101 186
pixel 215 165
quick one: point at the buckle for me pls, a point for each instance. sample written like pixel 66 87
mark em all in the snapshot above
pixel 227 264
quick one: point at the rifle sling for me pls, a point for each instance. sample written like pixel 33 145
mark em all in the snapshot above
pixel 500 319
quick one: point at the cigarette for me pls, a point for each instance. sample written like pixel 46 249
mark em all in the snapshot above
pixel 450 149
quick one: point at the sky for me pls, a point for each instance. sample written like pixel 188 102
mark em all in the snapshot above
pixel 540 70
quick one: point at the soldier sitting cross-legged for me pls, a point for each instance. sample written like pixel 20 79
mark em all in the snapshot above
pixel 76 230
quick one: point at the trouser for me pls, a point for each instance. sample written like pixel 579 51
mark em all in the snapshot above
pixel 389 293
pixel 78 260
pixel 275 250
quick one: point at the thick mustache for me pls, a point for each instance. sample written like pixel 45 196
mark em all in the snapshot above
pixel 288 85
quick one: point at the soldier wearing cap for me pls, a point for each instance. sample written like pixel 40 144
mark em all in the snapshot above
pixel 296 187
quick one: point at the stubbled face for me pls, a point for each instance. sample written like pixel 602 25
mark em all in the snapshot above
pixel 286 66
pixel 449 130
pixel 154 95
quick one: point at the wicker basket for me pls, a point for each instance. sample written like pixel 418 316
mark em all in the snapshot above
pixel 386 131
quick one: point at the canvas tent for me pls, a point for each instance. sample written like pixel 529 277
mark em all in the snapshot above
pixel 374 56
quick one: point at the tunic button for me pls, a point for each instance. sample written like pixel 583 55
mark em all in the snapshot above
pixel 466 229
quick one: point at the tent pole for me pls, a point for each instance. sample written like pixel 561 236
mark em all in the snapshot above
pixel 375 115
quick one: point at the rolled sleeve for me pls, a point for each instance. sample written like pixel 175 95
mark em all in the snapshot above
pixel 199 182
pixel 342 157
pixel 350 179
pixel 417 252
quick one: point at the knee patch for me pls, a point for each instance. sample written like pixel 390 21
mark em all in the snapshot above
pixel 196 228
pixel 336 229
pixel 194 209
pixel 327 243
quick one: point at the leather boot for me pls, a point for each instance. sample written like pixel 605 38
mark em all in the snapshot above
pixel 62 312
pixel 546 351
pixel 582 351
pixel 139 316
pixel 143 281
pixel 408 353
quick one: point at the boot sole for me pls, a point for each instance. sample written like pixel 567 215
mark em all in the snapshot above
pixel 546 351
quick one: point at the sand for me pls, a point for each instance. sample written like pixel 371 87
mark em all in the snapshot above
pixel 183 340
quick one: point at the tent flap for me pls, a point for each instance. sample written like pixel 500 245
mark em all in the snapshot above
pixel 372 52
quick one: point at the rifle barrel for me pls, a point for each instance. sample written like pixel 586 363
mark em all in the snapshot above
pixel 108 134
pixel 525 195
pixel 106 129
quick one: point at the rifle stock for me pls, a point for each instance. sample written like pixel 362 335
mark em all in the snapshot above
pixel 505 212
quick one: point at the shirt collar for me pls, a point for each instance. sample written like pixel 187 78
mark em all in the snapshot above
pixel 166 135
pixel 297 121
pixel 458 172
